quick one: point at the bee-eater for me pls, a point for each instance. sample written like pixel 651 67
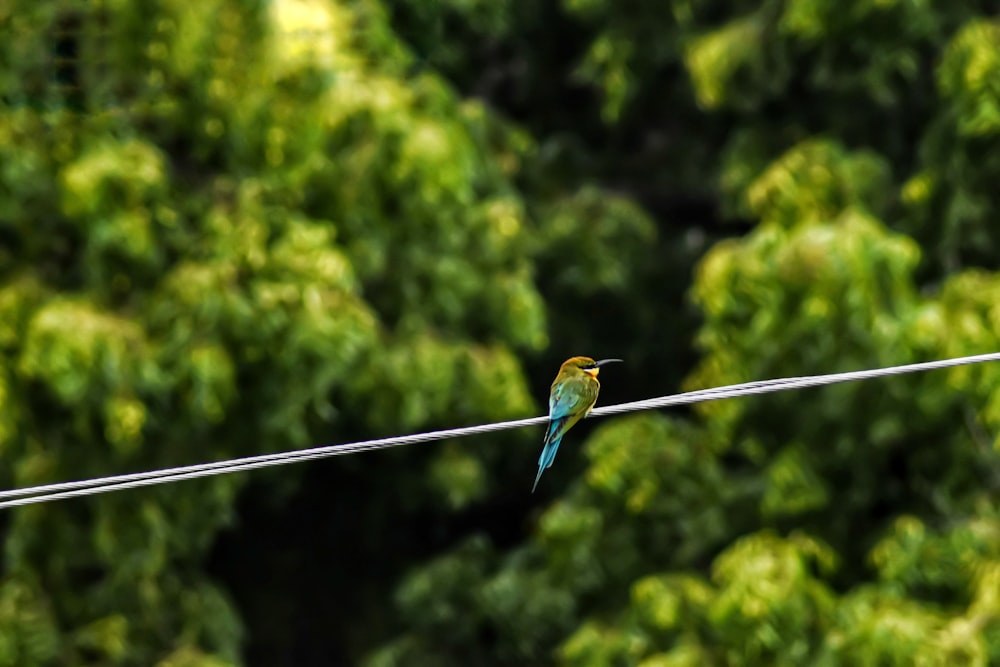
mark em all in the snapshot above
pixel 572 397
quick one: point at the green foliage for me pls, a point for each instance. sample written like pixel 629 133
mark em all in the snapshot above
pixel 233 227
pixel 781 530
pixel 951 197
pixel 247 237
pixel 28 631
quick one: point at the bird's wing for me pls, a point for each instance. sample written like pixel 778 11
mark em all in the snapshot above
pixel 566 399
pixel 571 398
pixel 569 401
pixel 560 401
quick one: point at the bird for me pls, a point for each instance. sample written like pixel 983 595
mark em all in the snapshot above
pixel 572 397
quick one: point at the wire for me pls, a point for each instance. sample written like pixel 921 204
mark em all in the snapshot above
pixel 62 490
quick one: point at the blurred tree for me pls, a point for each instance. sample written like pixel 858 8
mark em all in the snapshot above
pixel 255 233
pixel 829 110
pixel 232 227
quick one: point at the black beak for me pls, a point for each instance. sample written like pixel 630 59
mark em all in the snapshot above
pixel 598 364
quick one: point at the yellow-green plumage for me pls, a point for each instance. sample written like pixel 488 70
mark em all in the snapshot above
pixel 572 397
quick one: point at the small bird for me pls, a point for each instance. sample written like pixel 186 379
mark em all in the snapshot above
pixel 572 397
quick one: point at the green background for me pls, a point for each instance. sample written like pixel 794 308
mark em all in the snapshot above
pixel 236 227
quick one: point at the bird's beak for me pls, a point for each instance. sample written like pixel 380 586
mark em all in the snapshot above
pixel 600 363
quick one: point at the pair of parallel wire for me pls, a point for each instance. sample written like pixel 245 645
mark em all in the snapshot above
pixel 63 490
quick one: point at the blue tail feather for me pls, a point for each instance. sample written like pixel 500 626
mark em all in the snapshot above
pixel 548 455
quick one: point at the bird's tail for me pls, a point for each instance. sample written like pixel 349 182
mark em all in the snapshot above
pixel 553 437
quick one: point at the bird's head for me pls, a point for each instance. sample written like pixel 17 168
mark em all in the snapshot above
pixel 585 365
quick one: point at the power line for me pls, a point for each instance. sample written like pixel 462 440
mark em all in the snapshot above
pixel 62 490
